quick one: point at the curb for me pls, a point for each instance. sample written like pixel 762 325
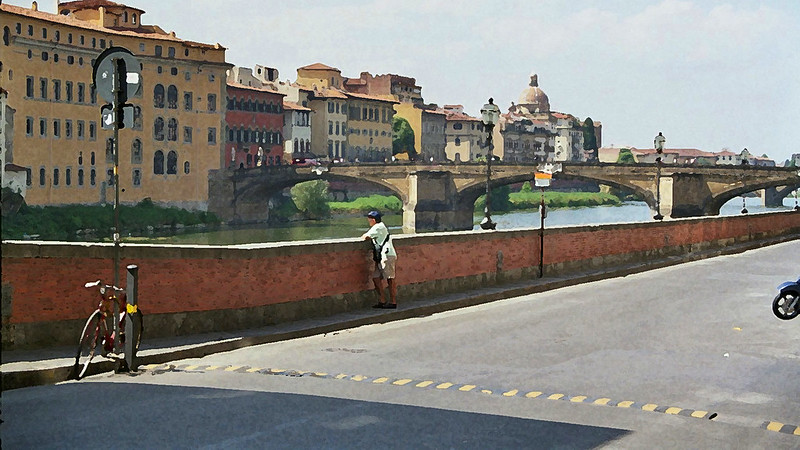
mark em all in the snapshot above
pixel 52 375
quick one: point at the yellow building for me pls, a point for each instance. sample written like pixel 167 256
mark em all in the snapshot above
pixel 369 136
pixel 346 125
pixel 177 136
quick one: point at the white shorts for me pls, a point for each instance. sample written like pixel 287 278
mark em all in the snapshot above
pixel 385 268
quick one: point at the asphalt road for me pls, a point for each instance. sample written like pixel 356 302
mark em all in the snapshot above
pixel 636 362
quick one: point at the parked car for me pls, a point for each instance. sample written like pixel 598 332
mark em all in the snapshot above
pixel 304 162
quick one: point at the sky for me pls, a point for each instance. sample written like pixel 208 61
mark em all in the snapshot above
pixel 709 74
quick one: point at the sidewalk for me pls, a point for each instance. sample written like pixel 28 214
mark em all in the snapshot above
pixel 21 368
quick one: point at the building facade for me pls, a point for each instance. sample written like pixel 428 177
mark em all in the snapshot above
pixel 531 131
pixel 254 126
pixel 369 133
pixel 178 123
pixel 465 139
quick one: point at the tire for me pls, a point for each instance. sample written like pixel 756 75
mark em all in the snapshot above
pixel 780 306
pixel 93 334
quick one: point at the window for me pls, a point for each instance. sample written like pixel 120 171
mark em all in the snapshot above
pixel 6 33
pixel 136 152
pixel 56 128
pixel 212 103
pixel 187 75
pixel 133 18
pixel 109 150
pixel 137 177
pixel 92 94
pixel 186 167
pixel 68 176
pixel 141 47
pixel 68 129
pixel 158 163
pixel 80 177
pixel 29 87
pixel 172 97
pixel 172 130
pixel 330 107
pixel 110 177
pixel 158 96
pixel 57 90
pixel 29 126
pixel 187 135
pixel 330 127
pixel 69 38
pixel 173 71
pixel 55 176
pixel 41 176
pixel 80 129
pixel 42 127
pixel 137 118
pixel 43 88
pixel 93 177
pixel 211 77
pixel 102 43
pixel 187 101
pixel 81 92
pixel 212 135
pixel 70 60
pixel 457 126
pixel 30 30
pixel 55 57
pixel 171 52
pixel 18 28
pixel 94 42
pixel 68 87
pixel 172 163
pixel 158 50
pixel 92 131
pixel 125 16
pixel 158 129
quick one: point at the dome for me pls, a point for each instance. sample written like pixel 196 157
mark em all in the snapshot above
pixel 533 98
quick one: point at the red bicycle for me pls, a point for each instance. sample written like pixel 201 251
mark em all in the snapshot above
pixel 98 335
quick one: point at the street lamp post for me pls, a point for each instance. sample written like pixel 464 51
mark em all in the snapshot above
pixel 490 115
pixel 542 180
pixel 658 142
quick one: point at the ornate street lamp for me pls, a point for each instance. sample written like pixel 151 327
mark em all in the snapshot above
pixel 658 143
pixel 490 115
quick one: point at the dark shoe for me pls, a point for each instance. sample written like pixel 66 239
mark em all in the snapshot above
pixel 389 306
pixel 379 305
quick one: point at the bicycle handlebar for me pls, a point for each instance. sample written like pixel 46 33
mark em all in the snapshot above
pixel 100 283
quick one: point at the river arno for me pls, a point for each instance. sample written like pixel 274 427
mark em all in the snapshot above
pixel 353 226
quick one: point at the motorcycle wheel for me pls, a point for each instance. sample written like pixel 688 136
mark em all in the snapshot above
pixel 786 305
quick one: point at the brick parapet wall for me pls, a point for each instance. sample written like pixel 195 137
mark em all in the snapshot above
pixel 193 289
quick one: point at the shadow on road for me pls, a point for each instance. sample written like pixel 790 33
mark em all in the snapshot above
pixel 100 415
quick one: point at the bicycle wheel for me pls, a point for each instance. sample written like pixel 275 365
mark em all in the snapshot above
pixel 93 333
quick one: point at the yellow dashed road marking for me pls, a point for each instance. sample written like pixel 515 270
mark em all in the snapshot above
pixel 358 378
pixel 232 368
pixel 649 407
pixel 380 380
pixel 625 404
pixel 424 384
pixel 774 426
pixel 444 385
pixel 486 391
pixel 252 369
pixel 403 382
pixel 673 410
pixel 555 397
pixel 533 394
pixel 699 414
pixel 578 399
pixel 213 367
pixel 190 367
pixel 602 401
pixel 510 393
pixel 467 387
pixel 340 376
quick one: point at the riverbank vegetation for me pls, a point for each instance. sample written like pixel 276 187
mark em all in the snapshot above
pixel 78 221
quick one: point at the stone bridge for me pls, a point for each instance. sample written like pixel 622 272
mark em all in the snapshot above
pixel 442 197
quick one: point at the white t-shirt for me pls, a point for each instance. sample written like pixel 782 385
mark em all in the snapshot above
pixel 378 233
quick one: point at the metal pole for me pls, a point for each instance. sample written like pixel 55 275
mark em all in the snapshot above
pixel 658 215
pixel 132 319
pixel 117 111
pixel 487 223
pixel 541 236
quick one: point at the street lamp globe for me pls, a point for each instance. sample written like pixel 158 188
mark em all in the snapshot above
pixel 490 114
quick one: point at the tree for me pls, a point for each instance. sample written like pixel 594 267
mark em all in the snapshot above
pixel 311 198
pixel 589 137
pixel 625 157
pixel 403 138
